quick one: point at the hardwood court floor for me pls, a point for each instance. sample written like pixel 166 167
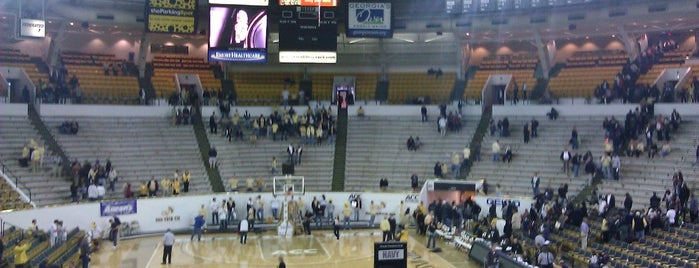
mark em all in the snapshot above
pixel 353 250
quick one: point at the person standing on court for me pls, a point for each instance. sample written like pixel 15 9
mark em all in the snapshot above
pixel 243 230
pixel 281 262
pixel 336 227
pixel 199 223
pixel 168 241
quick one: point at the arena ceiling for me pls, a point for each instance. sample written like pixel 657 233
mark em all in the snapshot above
pixel 580 22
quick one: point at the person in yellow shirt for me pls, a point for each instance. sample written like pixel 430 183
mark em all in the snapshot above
pixel 176 187
pixel 143 190
pixel 202 210
pixel 21 255
pixel 403 234
pixel 165 186
pixel 185 180
pixel 422 208
pixel 249 183
pixel 274 166
pixel 372 213
pixel 385 229
pixel 346 214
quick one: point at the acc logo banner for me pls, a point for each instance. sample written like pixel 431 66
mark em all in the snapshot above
pixel 412 198
pixel 369 20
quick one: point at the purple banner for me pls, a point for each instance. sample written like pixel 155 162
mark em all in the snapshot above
pixel 124 207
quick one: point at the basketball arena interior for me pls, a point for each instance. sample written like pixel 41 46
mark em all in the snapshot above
pixel 349 133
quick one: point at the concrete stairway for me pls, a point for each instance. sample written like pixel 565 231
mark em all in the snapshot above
pixel 139 148
pixel 242 160
pixel 540 155
pixel 642 176
pixel 376 148
pixel 15 132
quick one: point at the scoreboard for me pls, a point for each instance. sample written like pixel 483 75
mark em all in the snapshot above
pixel 307 35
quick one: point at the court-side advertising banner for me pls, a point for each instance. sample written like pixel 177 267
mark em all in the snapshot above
pixel 124 207
pixel 369 20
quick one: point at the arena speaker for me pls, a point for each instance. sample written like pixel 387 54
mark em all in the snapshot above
pixel 287 169
pixel 572 27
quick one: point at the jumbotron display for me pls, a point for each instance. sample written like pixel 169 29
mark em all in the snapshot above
pixel 171 16
pixel 238 33
pixel 304 37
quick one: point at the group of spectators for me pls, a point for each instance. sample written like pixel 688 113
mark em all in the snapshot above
pixel 69 127
pixel 626 88
pixel 91 180
pixel 313 127
pixel 32 155
pixel 167 186
pixel 413 144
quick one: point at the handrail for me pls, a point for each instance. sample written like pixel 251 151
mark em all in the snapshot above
pixel 17 183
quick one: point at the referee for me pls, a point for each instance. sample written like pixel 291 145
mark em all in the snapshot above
pixel 168 241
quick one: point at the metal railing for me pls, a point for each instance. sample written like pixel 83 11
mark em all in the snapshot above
pixel 19 184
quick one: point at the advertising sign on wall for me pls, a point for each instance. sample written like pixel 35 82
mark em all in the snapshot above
pixel 32 28
pixel 369 20
pixel 124 207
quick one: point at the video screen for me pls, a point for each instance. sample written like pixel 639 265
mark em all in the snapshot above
pixel 238 33
pixel 240 2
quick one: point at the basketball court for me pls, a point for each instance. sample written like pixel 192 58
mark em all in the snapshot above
pixel 353 250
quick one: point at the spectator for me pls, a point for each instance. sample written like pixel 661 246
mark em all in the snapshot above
pixel 127 191
pixel 552 114
pixel 273 165
pixel 508 155
pixel 423 112
pixel 566 158
pixel 414 182
pixel 495 150
pixel 360 112
pixel 665 149
pixel 545 258
pixel 100 191
pixel 92 193
pixel 584 233
pixel 466 155
pixel 212 157
pixel 20 252
pixel 442 125
pixel 411 144
pixel 212 123
pixel 455 164
pixel 152 187
pixel 383 184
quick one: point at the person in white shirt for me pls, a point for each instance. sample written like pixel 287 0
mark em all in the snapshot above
pixel 92 193
pixel 100 192
pixel 95 234
pixel 168 241
pixel 53 233
pixel 442 126
pixel 602 208
pixel 243 229
pixel 112 178
pixel 671 214
pixel 275 208
pixel 214 211
pixel 223 217
pixel 285 97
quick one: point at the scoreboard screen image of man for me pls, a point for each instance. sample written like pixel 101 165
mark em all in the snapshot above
pixel 238 33
pixel 307 35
